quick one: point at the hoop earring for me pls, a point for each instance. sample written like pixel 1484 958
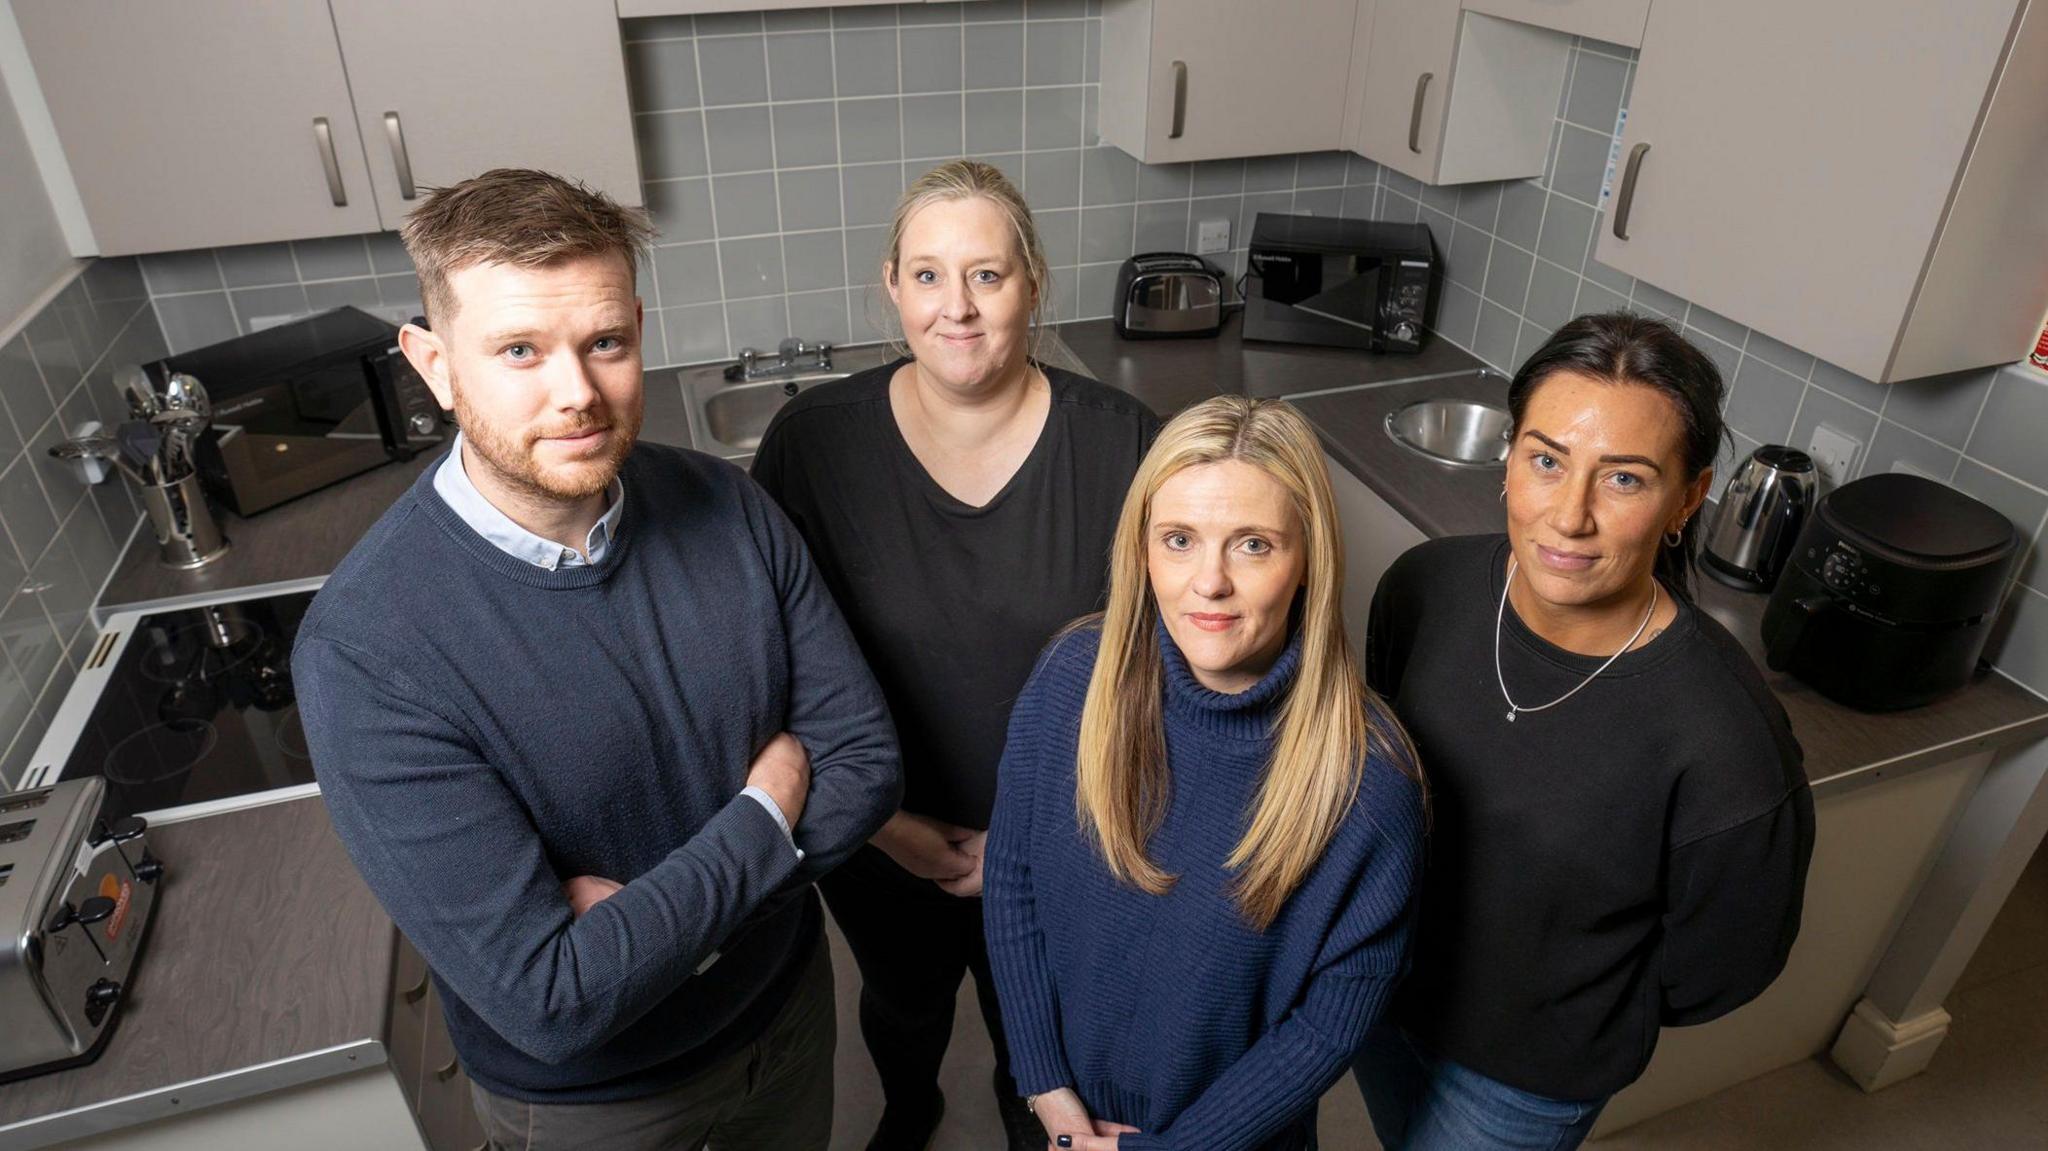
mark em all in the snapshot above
pixel 1674 539
pixel 1503 491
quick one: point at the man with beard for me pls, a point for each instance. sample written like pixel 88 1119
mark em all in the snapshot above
pixel 586 718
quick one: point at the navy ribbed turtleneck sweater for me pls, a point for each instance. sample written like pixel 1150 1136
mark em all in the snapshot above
pixel 1170 1012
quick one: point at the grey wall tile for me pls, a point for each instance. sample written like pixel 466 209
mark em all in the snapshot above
pixel 810 199
pixel 2009 432
pixel 1718 326
pixel 196 320
pixel 1894 446
pixel 687 274
pixel 671 144
pixel 26 400
pixel 1618 282
pixel 180 271
pixel 741 139
pixel 1271 174
pixel 1782 356
pixel 866 62
pixel 1495 340
pixel 1457 314
pixel 661 75
pixel 1566 231
pixel 757 323
pixel 695 334
pixel 866 16
pixel 797 20
pixel 1443 198
pixel 1107 233
pixel 1162 226
pixel 751 267
pixel 1275 203
pixel 25 510
pixel 59 352
pixel 1595 91
pixel 914 14
pixel 2019 644
pixel 115 278
pixel 30 640
pixel 1052 179
pixel 1319 202
pixel 813 260
pixel 1521 214
pixel 1052 52
pixel 1530 339
pixel 870 130
pixel 1361 202
pixel 401 290
pixel 332 258
pixel 987 10
pixel 259 308
pixel 66 595
pixel 1361 171
pixel 931 126
pixel 1552 293
pixel 257 265
pixel 1727 358
pixel 1059 232
pixel 994 56
pixel 1943 408
pixel 1320 169
pixel 745 204
pixel 1010 164
pixel 1651 298
pixel 1581 164
pixel 734 70
pixel 1762 402
pixel 995 121
pixel 1593 298
pixel 657 28
pixel 1095 290
pixel 728 23
pixel 1507 276
pixel 1479 205
pixel 1465 254
pixel 1165 181
pixel 1226 208
pixel 1108 176
pixel 931 59
pixel 357 293
pixel 681 209
pixel 1848 385
pixel 1218 178
pixel 820 316
pixel 871 192
pixel 1052 118
pixel 1821 409
pixel 1066 294
pixel 800 66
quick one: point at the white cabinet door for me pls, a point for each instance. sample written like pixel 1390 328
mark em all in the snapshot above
pixel 201 123
pixel 445 90
pixel 1407 85
pixel 1795 160
pixel 1211 79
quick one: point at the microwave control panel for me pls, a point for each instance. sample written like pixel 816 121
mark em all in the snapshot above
pixel 1406 301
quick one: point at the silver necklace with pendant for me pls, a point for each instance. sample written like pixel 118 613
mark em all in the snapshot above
pixel 1501 614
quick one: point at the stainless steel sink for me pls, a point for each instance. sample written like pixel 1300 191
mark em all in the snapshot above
pixel 1461 433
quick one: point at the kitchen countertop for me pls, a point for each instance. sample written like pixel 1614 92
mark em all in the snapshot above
pixel 268 962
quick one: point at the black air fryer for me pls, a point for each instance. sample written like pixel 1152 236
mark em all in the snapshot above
pixel 1892 589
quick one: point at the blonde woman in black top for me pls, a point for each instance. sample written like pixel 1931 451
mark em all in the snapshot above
pixel 959 503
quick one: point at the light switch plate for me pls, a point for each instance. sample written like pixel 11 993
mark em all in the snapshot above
pixel 1212 236
pixel 1834 453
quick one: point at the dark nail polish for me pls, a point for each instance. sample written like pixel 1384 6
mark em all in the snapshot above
pixel 1064 1141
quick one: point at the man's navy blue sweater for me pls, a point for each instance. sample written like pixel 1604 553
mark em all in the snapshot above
pixel 484 729
pixel 1171 1012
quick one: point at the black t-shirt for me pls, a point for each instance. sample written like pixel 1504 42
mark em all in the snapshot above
pixel 1633 857
pixel 952 603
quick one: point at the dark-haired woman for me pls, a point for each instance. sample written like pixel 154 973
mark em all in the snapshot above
pixel 1620 823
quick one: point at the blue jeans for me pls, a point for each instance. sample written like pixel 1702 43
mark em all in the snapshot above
pixel 1419 1102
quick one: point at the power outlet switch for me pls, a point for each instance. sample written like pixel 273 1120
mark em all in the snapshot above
pixel 1834 453
pixel 1212 236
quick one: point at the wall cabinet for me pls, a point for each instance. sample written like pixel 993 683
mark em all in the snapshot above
pixel 1869 187
pixel 1615 21
pixel 1453 97
pixel 217 122
pixel 632 8
pixel 1211 79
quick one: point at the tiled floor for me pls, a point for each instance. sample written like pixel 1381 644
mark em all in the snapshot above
pixel 1987 1088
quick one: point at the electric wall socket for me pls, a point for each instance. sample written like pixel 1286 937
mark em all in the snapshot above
pixel 1834 453
pixel 1212 236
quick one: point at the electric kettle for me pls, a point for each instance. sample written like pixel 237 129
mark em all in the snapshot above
pixel 1758 520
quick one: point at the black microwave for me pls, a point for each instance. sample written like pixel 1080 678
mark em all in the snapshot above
pixel 306 404
pixel 1346 283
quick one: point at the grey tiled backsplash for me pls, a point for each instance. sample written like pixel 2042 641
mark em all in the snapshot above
pixel 59 538
pixel 774 146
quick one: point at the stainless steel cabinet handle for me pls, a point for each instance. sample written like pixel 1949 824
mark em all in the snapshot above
pixel 417 991
pixel 324 137
pixel 1180 100
pixel 444 1074
pixel 1415 114
pixel 395 134
pixel 1626 198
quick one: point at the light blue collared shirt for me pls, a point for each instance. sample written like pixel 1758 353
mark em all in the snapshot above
pixel 458 491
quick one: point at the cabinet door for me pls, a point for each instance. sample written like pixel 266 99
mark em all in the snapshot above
pixel 448 90
pixel 1799 157
pixel 197 124
pixel 1407 85
pixel 1246 81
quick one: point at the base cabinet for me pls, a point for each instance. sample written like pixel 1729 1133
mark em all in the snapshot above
pixel 423 1056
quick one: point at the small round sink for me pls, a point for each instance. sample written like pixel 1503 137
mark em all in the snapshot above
pixel 1461 433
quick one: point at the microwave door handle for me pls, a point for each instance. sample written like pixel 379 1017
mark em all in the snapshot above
pixel 1415 114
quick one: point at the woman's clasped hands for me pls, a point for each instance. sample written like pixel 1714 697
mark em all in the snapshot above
pixel 1067 1124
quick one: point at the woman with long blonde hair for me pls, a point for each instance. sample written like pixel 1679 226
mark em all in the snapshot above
pixel 1206 828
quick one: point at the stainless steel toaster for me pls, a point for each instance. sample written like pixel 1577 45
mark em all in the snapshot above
pixel 1168 294
pixel 76 893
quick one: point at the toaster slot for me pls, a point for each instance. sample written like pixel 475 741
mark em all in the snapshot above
pixel 17 831
pixel 26 802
